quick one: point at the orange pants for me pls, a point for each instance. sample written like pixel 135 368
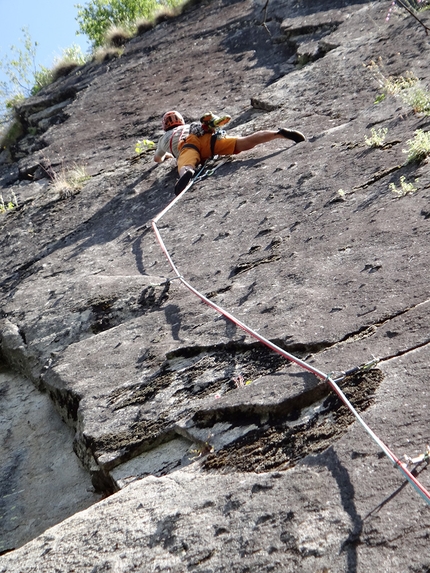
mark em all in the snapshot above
pixel 195 149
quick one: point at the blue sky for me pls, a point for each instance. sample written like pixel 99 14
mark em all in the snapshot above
pixel 51 23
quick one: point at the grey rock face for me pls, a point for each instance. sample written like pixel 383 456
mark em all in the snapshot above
pixel 41 480
pixel 231 459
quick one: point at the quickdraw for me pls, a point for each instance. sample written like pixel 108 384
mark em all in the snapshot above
pixel 208 172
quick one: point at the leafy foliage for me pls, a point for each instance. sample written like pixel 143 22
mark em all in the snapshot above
pixel 42 77
pixel 98 16
pixel 19 67
pixel 24 78
pixel 144 145
pixel 74 54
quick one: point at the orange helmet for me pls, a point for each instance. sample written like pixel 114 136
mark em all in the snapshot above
pixel 172 119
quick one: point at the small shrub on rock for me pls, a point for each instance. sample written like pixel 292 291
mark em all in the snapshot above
pixel 42 78
pixel 8 205
pixel 165 14
pixel 404 189
pixel 390 85
pixel 377 137
pixel 418 147
pixel 407 87
pixel 418 98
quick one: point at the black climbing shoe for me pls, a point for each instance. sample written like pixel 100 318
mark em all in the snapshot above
pixel 296 136
pixel 183 181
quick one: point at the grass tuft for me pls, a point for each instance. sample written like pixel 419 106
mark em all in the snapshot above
pixel 62 69
pixel 71 58
pixel 143 25
pixel 69 181
pixel 166 14
pixel 117 36
pixel 105 54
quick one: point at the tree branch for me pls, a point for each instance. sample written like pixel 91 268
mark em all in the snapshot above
pixel 264 9
pixel 403 5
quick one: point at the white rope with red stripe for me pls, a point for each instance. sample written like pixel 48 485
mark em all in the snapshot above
pixel 333 385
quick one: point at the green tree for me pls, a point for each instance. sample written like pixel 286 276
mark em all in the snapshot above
pixel 19 68
pixel 24 78
pixel 97 16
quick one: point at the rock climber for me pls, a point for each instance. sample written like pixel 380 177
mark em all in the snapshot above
pixel 191 144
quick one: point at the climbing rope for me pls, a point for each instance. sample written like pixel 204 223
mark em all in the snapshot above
pixel 332 383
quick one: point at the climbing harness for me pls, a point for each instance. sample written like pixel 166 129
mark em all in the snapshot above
pixel 331 382
pixel 208 124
